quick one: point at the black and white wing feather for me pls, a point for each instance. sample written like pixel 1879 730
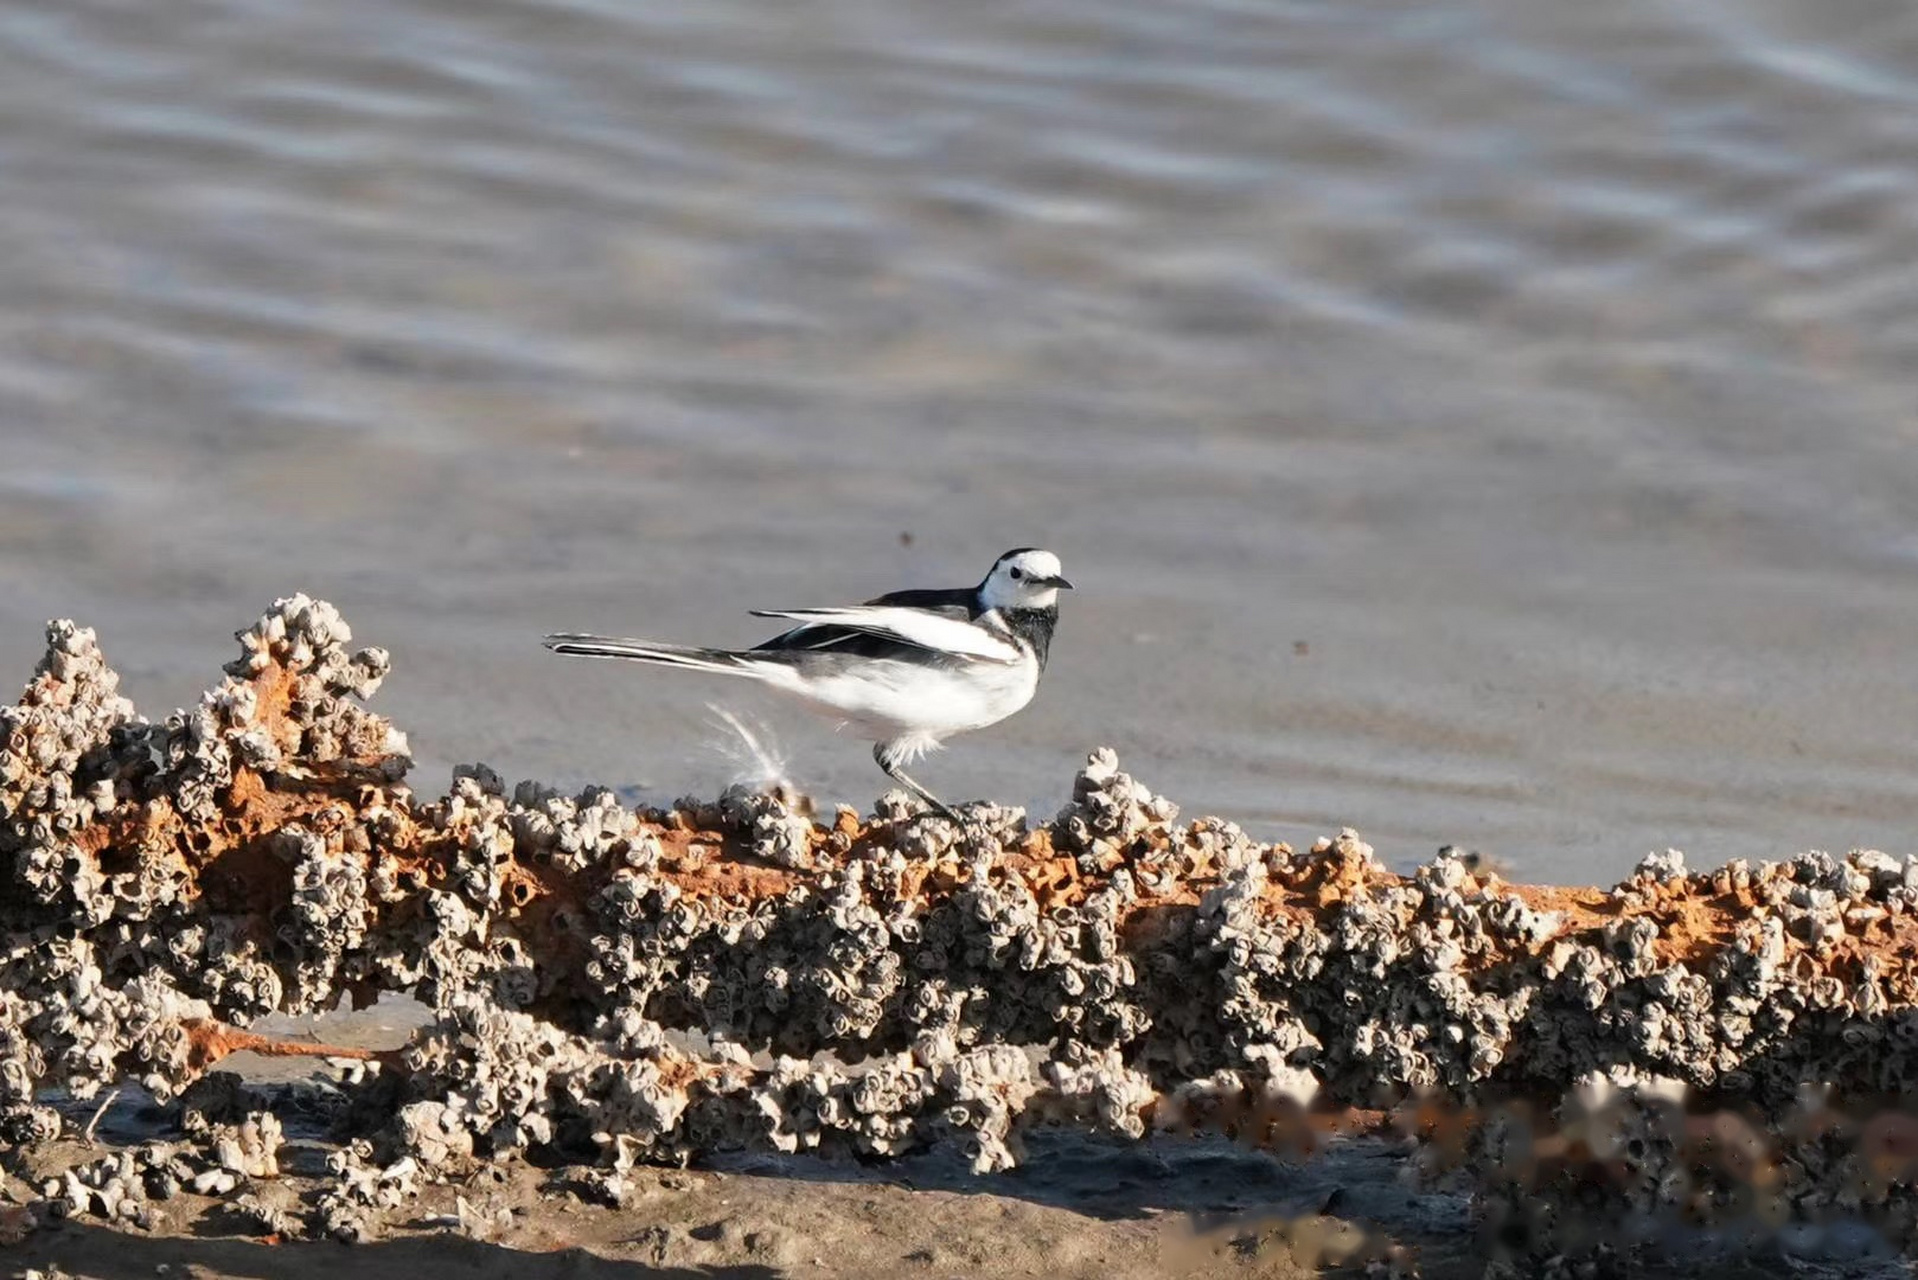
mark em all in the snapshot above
pixel 894 630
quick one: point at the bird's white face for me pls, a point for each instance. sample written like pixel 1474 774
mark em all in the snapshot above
pixel 1026 579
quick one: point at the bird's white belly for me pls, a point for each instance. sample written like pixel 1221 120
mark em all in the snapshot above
pixel 889 700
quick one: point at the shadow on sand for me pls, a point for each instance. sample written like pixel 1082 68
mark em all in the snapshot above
pixel 93 1252
pixel 1205 1180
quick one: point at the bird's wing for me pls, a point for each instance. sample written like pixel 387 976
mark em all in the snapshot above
pixel 954 602
pixel 943 631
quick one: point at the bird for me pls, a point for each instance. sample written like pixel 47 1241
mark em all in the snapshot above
pixel 907 669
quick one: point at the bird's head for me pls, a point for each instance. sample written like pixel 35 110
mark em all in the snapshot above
pixel 1025 578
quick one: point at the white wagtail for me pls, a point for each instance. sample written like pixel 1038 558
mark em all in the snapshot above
pixel 908 669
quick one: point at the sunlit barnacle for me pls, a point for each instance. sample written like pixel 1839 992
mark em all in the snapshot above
pixel 256 854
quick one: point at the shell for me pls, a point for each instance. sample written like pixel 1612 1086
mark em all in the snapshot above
pixel 1114 968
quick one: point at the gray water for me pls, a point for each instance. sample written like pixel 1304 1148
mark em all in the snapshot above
pixel 1477 422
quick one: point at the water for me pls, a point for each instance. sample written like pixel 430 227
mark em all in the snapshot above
pixel 1477 422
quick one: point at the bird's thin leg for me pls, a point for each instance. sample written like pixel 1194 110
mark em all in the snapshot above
pixel 885 761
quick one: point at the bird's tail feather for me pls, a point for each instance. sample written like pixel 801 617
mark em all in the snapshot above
pixel 665 655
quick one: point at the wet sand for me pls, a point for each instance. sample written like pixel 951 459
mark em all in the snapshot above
pixel 1166 1208
pixel 1077 1210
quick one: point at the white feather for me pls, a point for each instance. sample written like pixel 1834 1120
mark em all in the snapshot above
pixel 888 699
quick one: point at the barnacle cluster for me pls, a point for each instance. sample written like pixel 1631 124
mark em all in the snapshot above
pixel 867 984
pixel 215 1161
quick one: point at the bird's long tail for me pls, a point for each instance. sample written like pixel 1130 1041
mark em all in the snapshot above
pixel 723 661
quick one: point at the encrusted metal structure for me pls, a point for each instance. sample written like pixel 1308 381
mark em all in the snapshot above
pixel 875 983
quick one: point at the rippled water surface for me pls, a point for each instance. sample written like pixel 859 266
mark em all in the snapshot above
pixel 1478 422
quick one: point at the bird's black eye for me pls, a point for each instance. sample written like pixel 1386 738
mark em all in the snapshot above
pixel 1018 574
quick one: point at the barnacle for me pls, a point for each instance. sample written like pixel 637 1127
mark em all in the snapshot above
pixel 911 980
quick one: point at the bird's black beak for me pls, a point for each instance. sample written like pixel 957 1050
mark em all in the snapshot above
pixel 1055 581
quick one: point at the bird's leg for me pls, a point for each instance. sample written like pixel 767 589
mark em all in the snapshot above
pixel 884 760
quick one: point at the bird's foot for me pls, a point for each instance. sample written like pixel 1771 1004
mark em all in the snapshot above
pixel 932 802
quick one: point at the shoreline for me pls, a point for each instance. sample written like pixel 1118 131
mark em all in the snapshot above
pixel 614 989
